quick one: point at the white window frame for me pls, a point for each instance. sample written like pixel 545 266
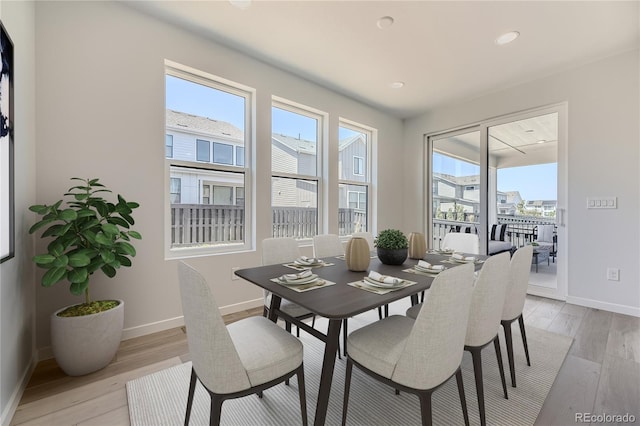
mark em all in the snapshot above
pixel 356 160
pixel 369 175
pixel 219 83
pixel 321 118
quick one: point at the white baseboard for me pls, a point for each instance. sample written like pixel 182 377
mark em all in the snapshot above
pixel 550 293
pixel 605 306
pixel 14 401
pixel 154 327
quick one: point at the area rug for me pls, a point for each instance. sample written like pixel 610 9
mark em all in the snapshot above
pixel 160 398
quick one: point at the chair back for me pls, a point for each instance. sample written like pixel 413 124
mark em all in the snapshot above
pixel 462 242
pixel 327 245
pixel 212 351
pixel 545 233
pixel 434 348
pixel 519 271
pixel 487 300
pixel 367 236
pixel 279 250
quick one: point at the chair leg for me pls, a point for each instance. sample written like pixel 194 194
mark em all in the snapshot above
pixel 524 338
pixel 287 326
pixel 476 356
pixel 347 385
pixel 192 388
pixel 379 312
pixel 496 345
pixel 463 399
pixel 313 321
pixel 303 394
pixel 386 311
pixel 216 410
pixel 506 325
pixel 265 311
pixel 425 408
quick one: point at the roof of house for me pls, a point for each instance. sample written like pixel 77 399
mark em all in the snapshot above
pixel 196 123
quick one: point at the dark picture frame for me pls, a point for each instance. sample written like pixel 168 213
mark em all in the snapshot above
pixel 7 196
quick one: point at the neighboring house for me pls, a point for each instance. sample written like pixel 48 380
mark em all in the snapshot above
pixel 546 208
pixel 508 202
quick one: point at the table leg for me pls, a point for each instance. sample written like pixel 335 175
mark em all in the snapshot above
pixel 326 376
pixel 275 304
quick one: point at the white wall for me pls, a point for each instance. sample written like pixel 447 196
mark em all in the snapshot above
pixel 17 293
pixel 603 160
pixel 100 85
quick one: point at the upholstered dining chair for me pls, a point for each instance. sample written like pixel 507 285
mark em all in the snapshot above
pixel 519 271
pixel 462 242
pixel 418 356
pixel 283 250
pixel 327 245
pixel 484 319
pixel 246 357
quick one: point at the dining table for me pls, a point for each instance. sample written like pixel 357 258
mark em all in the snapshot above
pixel 344 298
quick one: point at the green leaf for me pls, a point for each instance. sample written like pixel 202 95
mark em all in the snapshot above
pixel 95 264
pixel 101 207
pixel 103 239
pixel 80 197
pixel 115 264
pixel 78 275
pixel 79 260
pixel 61 262
pixel 107 256
pixel 53 275
pixel 64 229
pixel 68 215
pixel 86 213
pixel 110 229
pixel 43 259
pixel 109 271
pixel 118 221
pixel 127 218
pixel 40 224
pixel 126 248
pixel 39 208
pixel 94 182
pixel 89 224
pixel 133 205
pixel 134 234
pixel 78 289
pixel 124 261
pixel 52 230
pixel 55 248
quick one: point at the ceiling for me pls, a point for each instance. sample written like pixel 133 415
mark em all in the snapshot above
pixel 443 51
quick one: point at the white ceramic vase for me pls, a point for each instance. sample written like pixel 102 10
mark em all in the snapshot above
pixel 82 345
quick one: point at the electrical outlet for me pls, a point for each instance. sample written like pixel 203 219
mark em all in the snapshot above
pixel 613 274
pixel 234 277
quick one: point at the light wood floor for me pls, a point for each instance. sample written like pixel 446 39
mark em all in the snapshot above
pixel 601 374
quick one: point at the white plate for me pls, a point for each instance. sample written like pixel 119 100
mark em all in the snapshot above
pixel 305 280
pixel 300 263
pixel 378 284
pixel 428 271
pixel 453 259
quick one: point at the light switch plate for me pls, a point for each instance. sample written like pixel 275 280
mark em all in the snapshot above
pixel 602 202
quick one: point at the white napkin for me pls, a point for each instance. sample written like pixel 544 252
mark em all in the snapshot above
pixel 298 276
pixel 384 278
pixel 427 265
pixel 304 260
pixel 458 256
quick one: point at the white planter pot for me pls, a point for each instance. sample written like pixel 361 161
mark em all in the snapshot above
pixel 82 345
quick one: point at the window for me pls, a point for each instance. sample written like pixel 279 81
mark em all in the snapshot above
pixel 354 179
pixel 222 153
pixel 203 150
pixel 358 166
pixel 294 170
pixel 174 190
pixel 205 185
pixel 239 156
pixel 168 146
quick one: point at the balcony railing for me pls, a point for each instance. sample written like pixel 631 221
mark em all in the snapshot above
pixel 197 224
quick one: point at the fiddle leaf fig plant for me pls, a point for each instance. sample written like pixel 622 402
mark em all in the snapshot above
pixel 89 234
pixel 391 239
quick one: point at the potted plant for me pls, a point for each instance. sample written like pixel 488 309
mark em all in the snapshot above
pixel 392 247
pixel 89 234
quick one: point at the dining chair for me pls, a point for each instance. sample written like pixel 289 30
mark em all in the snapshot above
pixel 519 271
pixel 246 357
pixel 462 242
pixel 485 313
pixel 418 356
pixel 283 250
pixel 327 245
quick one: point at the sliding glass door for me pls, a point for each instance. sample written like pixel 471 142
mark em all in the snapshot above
pixel 505 179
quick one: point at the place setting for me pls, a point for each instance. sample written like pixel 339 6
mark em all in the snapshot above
pixel 461 258
pixel 304 263
pixel 381 284
pixel 302 281
pixel 425 268
pixel 444 250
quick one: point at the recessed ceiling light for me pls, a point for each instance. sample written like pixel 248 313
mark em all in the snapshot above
pixel 397 85
pixel 507 38
pixel 529 131
pixel 384 22
pixel 241 4
pixel 541 141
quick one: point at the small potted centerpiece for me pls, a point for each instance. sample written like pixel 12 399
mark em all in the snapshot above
pixel 392 247
pixel 88 234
